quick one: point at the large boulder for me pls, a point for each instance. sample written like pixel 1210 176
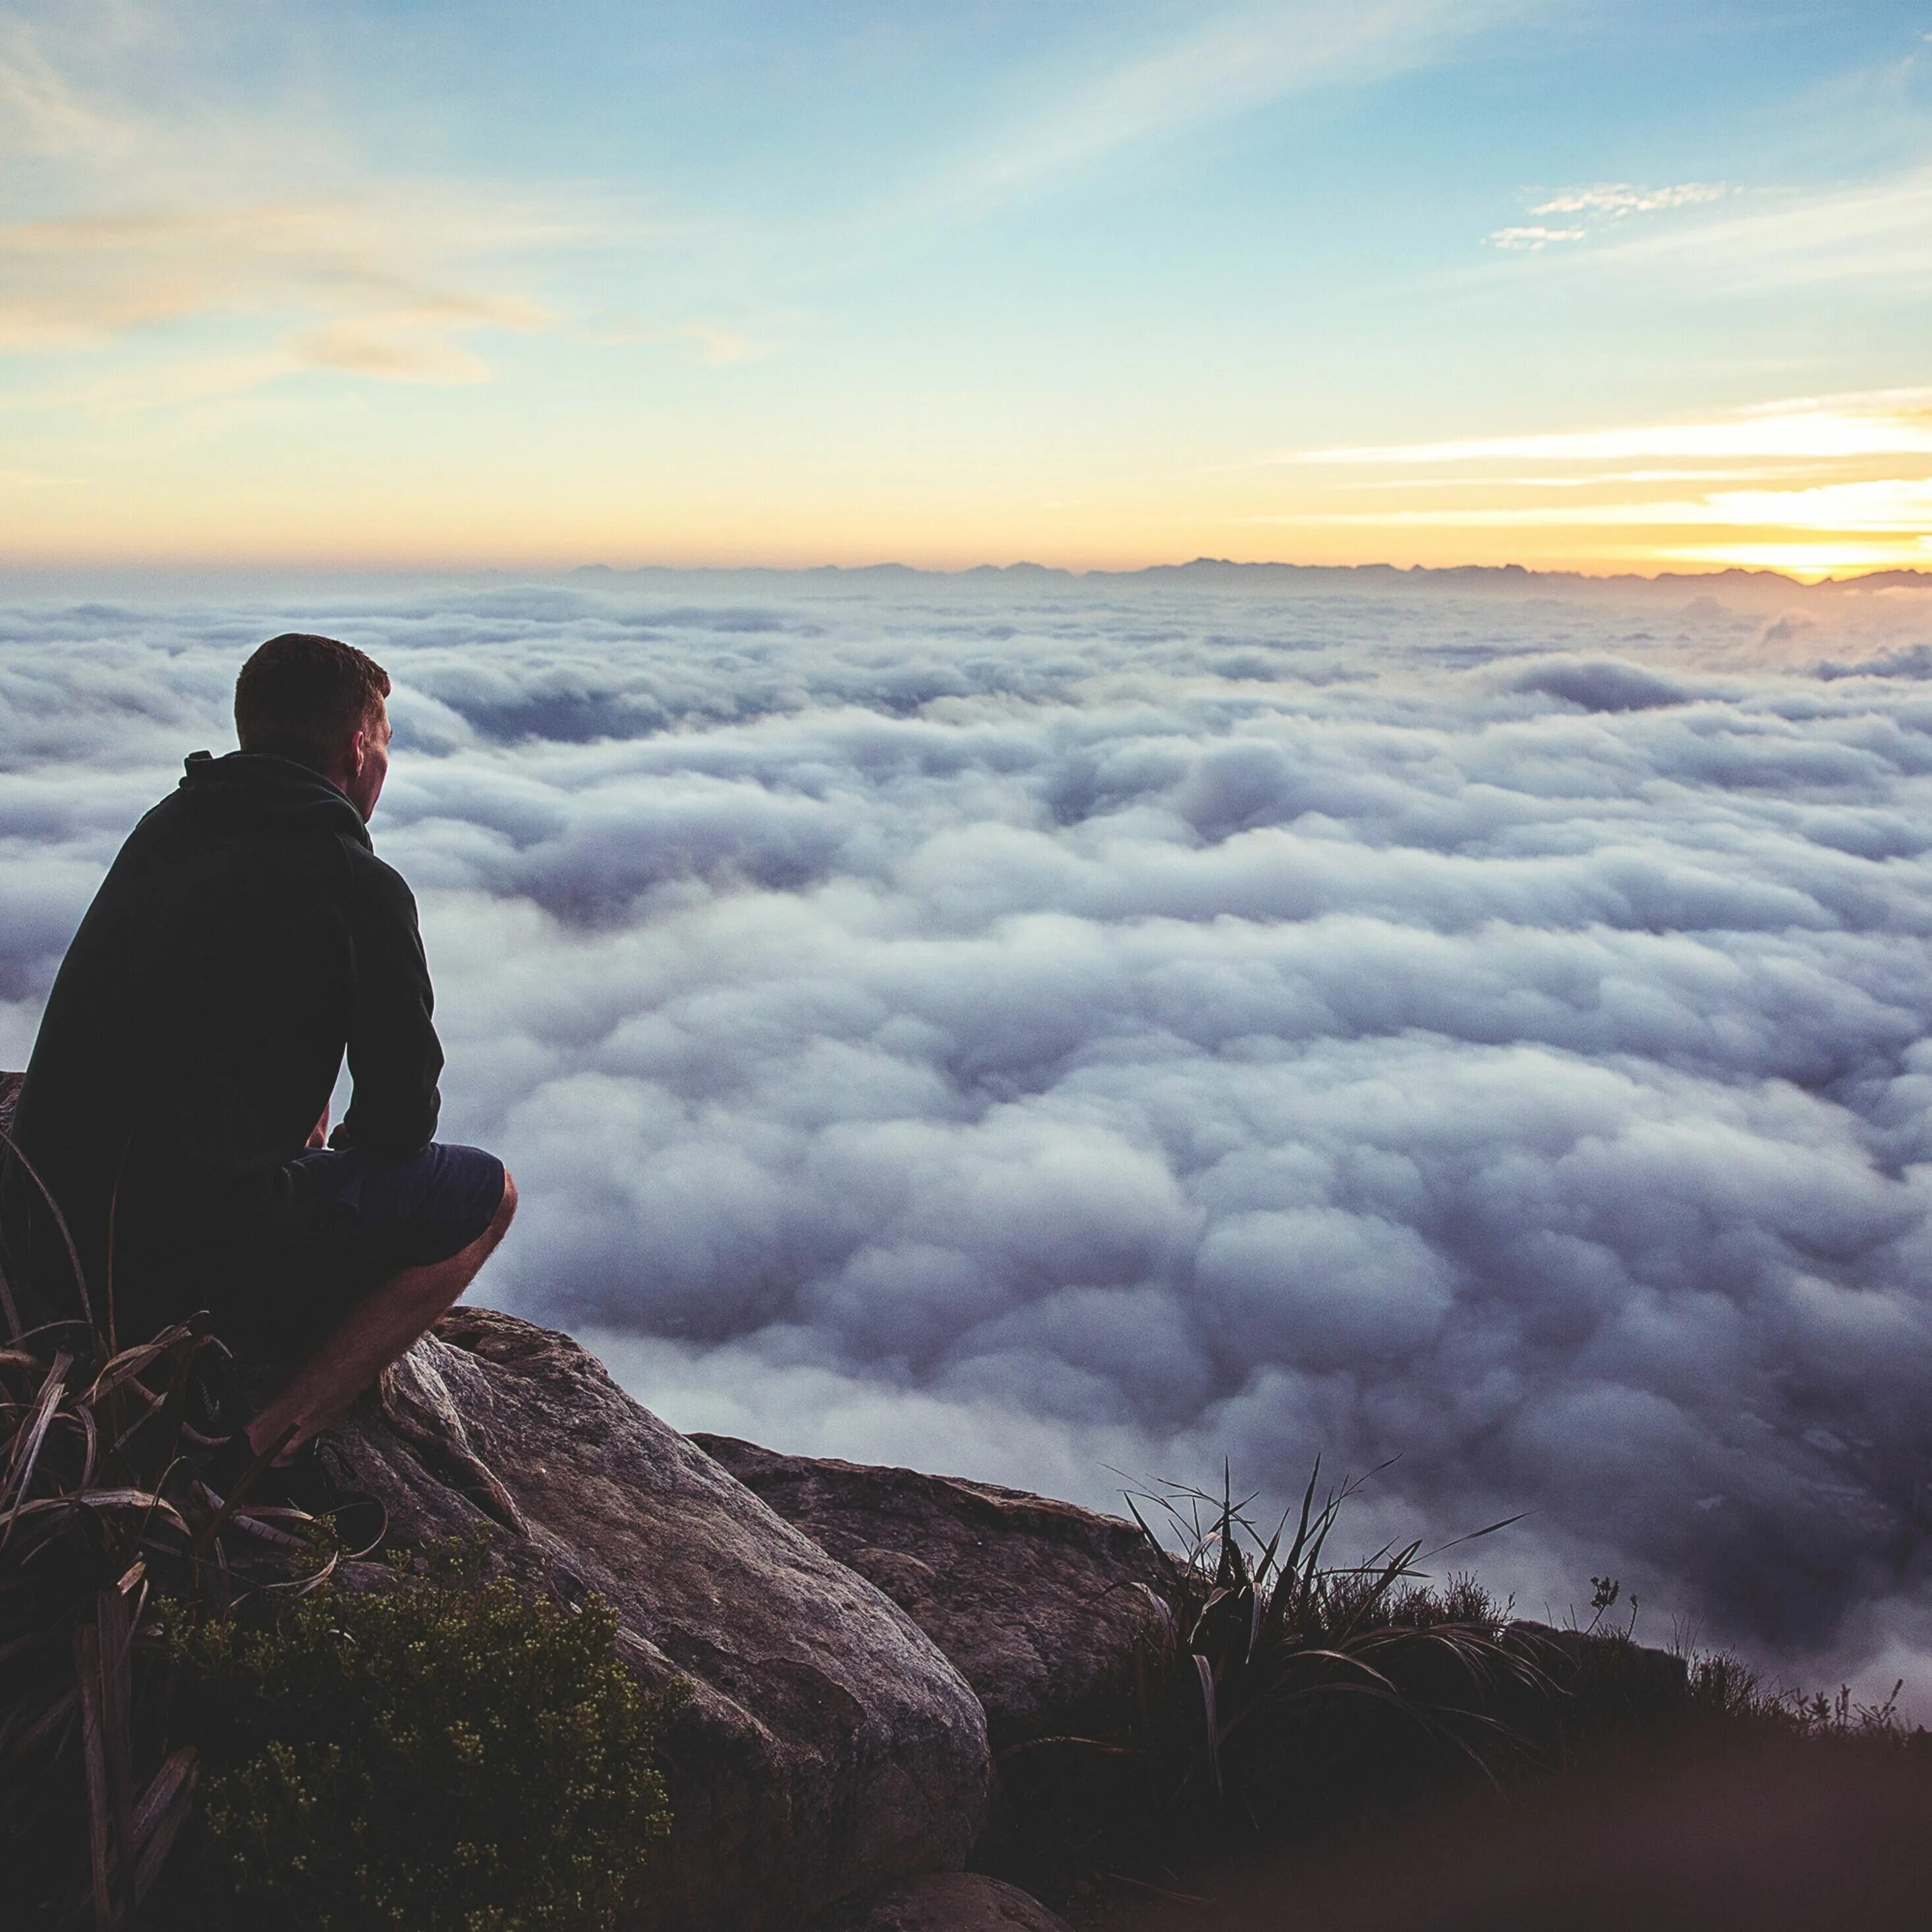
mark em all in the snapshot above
pixel 827 1747
pixel 1048 1611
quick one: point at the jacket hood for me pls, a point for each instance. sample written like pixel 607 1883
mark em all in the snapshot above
pixel 259 785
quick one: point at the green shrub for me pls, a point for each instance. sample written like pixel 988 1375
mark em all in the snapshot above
pixel 447 1754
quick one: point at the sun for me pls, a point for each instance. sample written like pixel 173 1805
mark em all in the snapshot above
pixel 1809 561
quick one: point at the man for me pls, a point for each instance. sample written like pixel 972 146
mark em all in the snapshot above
pixel 176 1102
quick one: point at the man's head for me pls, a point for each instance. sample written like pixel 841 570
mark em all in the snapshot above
pixel 319 703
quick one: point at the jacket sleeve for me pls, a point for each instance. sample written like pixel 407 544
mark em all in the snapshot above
pixel 394 1056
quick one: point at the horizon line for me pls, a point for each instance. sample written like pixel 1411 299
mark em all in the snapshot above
pixel 1882 576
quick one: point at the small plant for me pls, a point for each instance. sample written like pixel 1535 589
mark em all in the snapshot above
pixel 1606 1593
pixel 1725 1690
pixel 1318 1682
pixel 446 1753
pixel 1290 1691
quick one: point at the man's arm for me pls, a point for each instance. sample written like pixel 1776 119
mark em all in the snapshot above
pixel 393 1055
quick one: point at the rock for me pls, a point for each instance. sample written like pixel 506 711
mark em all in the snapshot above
pixel 827 1747
pixel 1046 1609
pixel 947 1902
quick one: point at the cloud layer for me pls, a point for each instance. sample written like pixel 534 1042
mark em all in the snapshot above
pixel 1025 1026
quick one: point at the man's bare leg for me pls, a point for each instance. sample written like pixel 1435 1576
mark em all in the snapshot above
pixel 378 1329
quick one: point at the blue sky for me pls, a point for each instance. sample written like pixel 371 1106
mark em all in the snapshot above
pixel 496 283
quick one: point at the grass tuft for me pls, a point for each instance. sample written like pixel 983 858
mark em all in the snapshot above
pixel 1290 1689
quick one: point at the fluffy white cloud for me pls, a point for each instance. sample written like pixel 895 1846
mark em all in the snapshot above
pixel 1027 1026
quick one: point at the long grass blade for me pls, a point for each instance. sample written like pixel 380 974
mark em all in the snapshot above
pixel 1488 1529
pixel 105 1500
pixel 130 1362
pixel 9 1307
pixel 18 1475
pixel 117 1739
pixel 32 1173
pixel 1215 1597
pixel 32 1735
pixel 1205 1673
pixel 158 1818
pixel 78 1417
pixel 94 1760
pixel 209 1538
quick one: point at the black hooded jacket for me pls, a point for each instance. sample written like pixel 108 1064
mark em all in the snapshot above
pixel 244 937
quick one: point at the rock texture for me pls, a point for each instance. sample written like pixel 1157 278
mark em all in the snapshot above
pixel 1043 1607
pixel 948 1902
pixel 827 1748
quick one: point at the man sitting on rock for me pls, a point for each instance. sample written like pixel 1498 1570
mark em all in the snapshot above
pixel 177 1102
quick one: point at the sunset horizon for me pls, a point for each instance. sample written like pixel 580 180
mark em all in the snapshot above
pixel 82 567
pixel 1415 284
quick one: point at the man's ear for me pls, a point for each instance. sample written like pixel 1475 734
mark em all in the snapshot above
pixel 359 752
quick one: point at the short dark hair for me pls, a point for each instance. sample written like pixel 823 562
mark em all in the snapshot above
pixel 303 697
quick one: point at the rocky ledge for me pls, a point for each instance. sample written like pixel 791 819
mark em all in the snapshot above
pixel 851 1635
pixel 1045 1610
pixel 827 1748
pixel 863 1645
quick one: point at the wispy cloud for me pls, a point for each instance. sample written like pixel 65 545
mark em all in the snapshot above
pixel 1589 480
pixel 714 345
pixel 1879 230
pixel 1884 423
pixel 1619 199
pixel 122 225
pixel 1233 61
pixel 43 113
pixel 1535 237
pixel 1845 468
pixel 1599 206
pixel 1888 507
pixel 348 285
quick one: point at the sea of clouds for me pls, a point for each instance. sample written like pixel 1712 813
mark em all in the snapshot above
pixel 1036 1027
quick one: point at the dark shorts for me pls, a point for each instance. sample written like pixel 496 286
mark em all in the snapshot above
pixel 361 1220
pixel 377 1217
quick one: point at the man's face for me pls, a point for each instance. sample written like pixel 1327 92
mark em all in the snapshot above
pixel 364 786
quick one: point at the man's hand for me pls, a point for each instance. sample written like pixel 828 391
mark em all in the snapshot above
pixel 319 1134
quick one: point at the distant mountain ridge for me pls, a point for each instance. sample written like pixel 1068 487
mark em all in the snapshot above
pixel 1225 572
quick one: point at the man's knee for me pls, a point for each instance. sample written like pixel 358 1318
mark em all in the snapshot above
pixel 506 1208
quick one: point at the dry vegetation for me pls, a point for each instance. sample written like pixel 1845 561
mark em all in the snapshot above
pixel 1295 1694
pixel 199 1723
